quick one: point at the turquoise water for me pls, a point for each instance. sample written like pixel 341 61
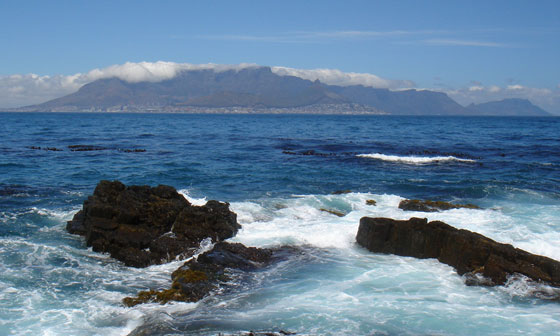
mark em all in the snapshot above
pixel 50 284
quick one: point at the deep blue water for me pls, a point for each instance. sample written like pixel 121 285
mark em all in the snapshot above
pixel 510 166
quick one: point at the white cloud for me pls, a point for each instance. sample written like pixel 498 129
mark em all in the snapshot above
pixel 34 89
pixel 20 90
pixel 548 99
pixel 337 77
pixel 154 72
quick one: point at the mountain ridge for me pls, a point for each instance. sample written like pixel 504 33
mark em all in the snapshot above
pixel 259 89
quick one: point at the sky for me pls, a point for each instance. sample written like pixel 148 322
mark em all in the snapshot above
pixel 475 51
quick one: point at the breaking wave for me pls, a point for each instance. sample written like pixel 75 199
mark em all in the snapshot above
pixel 413 159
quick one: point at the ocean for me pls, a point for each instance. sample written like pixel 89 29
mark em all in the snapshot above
pixel 278 172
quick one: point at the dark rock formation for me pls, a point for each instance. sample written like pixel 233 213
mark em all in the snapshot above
pixel 199 277
pixel 341 192
pixel 142 225
pixel 471 254
pixel 432 206
pixel 371 202
pixel 85 148
pixel 312 152
pixel 137 150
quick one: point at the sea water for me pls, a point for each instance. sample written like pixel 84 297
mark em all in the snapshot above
pixel 278 172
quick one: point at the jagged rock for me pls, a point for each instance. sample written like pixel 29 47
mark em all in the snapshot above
pixel 198 277
pixel 142 225
pixel 470 253
pixel 432 206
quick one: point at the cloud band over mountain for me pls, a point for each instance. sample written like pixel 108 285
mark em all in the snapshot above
pixel 18 90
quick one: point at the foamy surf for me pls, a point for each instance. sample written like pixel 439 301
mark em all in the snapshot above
pixel 302 220
pixel 332 282
pixel 416 160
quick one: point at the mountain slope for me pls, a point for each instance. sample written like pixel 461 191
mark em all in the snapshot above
pixel 260 88
pixel 507 107
pixel 408 102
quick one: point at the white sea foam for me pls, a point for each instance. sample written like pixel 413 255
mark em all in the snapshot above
pixel 300 220
pixel 417 160
pixel 332 285
pixel 192 200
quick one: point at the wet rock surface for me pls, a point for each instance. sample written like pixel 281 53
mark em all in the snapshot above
pixel 142 225
pixel 200 276
pixel 432 206
pixel 483 261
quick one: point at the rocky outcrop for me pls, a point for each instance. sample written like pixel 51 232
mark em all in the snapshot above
pixel 482 260
pixel 142 225
pixel 200 276
pixel 432 206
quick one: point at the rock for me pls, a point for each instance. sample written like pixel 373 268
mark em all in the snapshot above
pixel 309 152
pixel 199 277
pixel 371 202
pixel 137 150
pixel 333 212
pixel 85 148
pixel 432 206
pixel 341 192
pixel 470 253
pixel 142 225
pixel 53 149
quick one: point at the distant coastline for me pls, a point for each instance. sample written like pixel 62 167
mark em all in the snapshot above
pixel 260 90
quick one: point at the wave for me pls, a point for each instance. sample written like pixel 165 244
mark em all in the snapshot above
pixel 193 200
pixel 79 291
pixel 413 159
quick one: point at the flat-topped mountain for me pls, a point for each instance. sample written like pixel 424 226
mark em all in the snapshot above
pixel 259 88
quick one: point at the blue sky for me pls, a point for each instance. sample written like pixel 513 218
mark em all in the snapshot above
pixel 452 46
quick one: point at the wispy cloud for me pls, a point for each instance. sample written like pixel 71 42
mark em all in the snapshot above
pixel 316 36
pixel 403 37
pixel 463 43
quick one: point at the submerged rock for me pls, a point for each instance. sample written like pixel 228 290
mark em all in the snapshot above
pixel 432 206
pixel 482 260
pixel 142 225
pixel 341 192
pixel 85 148
pixel 333 212
pixel 199 277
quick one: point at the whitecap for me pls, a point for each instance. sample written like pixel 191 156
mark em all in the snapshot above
pixel 417 160
pixel 193 200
